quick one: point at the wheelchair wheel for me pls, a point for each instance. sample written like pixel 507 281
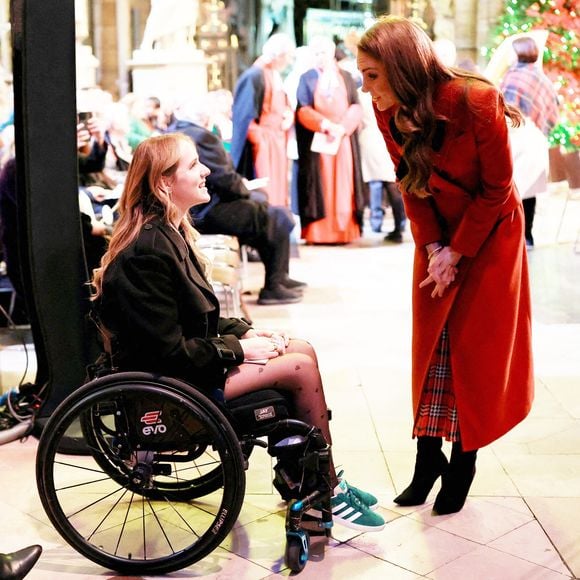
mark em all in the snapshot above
pixel 297 550
pixel 134 502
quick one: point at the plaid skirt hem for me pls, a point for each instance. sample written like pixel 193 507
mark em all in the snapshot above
pixel 437 415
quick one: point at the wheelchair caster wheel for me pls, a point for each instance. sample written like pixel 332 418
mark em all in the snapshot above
pixel 297 550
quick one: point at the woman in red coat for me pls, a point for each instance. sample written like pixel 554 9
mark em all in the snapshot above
pixel 447 134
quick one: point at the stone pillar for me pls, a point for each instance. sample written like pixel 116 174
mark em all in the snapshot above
pixel 465 28
pixel 488 13
pixel 86 63
pixel 106 44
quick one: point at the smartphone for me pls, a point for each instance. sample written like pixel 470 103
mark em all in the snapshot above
pixel 84 117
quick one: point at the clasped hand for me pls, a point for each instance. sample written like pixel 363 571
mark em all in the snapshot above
pixel 264 344
pixel 442 270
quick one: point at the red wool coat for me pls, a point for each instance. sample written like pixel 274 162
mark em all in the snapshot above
pixel 475 207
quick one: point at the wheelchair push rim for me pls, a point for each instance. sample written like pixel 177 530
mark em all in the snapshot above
pixel 129 504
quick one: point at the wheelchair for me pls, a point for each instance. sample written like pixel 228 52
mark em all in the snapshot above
pixel 144 474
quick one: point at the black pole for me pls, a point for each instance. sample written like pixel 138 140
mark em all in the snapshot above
pixel 43 37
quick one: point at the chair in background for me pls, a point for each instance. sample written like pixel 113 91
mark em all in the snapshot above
pixel 227 271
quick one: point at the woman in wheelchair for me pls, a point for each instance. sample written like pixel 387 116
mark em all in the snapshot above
pixel 154 299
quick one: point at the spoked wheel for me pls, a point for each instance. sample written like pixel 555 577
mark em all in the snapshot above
pixel 134 502
pixel 297 550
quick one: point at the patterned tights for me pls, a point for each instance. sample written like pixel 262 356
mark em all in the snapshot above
pixel 296 372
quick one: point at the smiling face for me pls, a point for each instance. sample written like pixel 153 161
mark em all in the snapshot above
pixel 375 81
pixel 187 184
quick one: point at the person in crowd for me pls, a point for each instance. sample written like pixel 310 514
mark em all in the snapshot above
pixel 330 186
pixel 9 239
pixel 220 103
pixel 446 131
pixel 155 115
pixel 236 211
pixel 526 87
pixel 119 151
pixel 92 150
pixel 261 119
pixel 302 63
pixel 95 231
pixel 379 173
pixel 139 125
pixel 16 565
pixel 155 301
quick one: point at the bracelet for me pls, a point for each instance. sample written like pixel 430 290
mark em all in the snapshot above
pixel 434 253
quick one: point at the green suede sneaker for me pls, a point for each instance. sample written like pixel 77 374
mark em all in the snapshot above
pixel 348 510
pixel 364 497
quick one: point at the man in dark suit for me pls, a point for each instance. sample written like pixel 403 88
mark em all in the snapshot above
pixel 233 210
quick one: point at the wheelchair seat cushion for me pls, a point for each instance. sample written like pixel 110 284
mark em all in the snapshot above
pixel 258 409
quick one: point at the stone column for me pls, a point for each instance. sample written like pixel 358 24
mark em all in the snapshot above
pixel 86 63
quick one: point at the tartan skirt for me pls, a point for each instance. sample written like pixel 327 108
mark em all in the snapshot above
pixel 437 415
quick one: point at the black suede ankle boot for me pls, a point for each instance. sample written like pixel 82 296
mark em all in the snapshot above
pixel 429 465
pixel 456 481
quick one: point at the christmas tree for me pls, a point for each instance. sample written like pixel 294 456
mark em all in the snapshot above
pixel 561 55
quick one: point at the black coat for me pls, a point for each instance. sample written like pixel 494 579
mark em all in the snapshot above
pixel 163 313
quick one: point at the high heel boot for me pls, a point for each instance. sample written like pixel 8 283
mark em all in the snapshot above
pixel 429 465
pixel 456 481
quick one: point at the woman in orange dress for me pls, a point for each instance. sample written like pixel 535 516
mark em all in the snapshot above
pixel 330 195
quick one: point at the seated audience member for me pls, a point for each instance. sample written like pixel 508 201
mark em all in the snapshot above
pixel 232 210
pixel 119 153
pixel 92 149
pixel 139 126
pixel 221 116
pixel 95 231
pixel 153 298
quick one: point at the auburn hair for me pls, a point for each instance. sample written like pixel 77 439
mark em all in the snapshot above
pixel 414 72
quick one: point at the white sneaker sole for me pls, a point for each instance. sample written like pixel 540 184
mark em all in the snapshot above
pixel 345 522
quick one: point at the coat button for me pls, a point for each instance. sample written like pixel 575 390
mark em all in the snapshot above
pixel 147 227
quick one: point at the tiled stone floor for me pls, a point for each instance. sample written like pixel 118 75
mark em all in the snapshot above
pixel 521 520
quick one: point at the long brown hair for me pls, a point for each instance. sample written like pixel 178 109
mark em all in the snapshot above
pixel 414 72
pixel 146 196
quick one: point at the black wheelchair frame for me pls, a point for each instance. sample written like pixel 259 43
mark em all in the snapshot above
pixel 144 474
